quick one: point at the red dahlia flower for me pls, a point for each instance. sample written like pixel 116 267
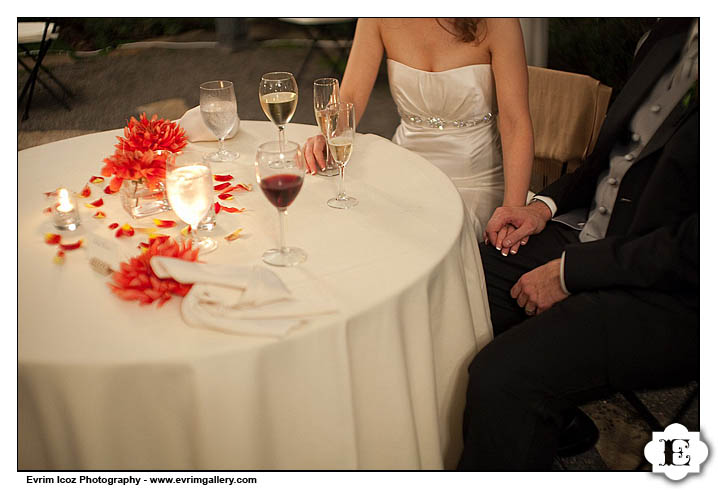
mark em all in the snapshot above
pixel 152 134
pixel 136 281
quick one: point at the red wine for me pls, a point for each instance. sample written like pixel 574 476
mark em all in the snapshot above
pixel 281 189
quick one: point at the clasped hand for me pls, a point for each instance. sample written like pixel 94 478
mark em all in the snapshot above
pixel 511 226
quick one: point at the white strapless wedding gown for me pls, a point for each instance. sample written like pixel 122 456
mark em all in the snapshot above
pixel 449 118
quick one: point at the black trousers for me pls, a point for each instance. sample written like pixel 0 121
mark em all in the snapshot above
pixel 588 346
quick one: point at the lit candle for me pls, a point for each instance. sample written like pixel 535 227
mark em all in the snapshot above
pixel 65 214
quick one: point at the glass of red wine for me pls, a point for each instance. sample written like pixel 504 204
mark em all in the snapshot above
pixel 279 168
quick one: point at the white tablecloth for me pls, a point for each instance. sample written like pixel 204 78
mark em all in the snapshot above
pixel 109 384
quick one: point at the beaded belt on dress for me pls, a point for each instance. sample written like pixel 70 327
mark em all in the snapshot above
pixel 440 123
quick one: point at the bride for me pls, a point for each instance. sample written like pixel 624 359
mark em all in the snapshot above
pixel 450 79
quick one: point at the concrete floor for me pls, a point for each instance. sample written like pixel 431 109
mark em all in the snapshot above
pixel 109 89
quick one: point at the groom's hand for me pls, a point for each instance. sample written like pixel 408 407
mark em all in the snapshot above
pixel 540 288
pixel 314 153
pixel 510 226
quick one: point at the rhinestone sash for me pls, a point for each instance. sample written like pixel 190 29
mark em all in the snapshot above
pixel 440 123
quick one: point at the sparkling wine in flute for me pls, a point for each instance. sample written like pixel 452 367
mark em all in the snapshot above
pixel 279 107
pixel 341 148
pixel 189 190
pixel 324 120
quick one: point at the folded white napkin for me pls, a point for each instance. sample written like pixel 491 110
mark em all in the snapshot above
pixel 239 299
pixel 196 130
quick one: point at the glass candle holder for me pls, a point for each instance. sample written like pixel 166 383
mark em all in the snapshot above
pixel 65 215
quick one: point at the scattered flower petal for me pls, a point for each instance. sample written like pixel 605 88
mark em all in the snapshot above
pixel 71 246
pixel 164 223
pixel 234 235
pixel 59 258
pixel 217 207
pixel 222 186
pixel 52 238
pixel 232 210
pixel 124 230
pixel 96 179
pixel 223 178
pixel 146 230
pixel 246 187
pixel 99 215
pixel 112 226
pixel 47 210
pixel 226 196
pixel 95 204
pixel 85 191
pixel 186 230
pixel 108 190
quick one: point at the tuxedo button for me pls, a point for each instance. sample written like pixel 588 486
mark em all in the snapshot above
pixel 602 210
pixel 612 181
pixel 628 157
pixel 655 108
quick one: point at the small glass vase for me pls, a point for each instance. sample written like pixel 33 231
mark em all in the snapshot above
pixel 139 200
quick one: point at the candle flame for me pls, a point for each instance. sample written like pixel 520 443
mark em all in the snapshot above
pixel 64 205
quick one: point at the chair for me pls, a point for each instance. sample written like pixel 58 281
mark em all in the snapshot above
pixel 318 28
pixel 44 33
pixel 567 111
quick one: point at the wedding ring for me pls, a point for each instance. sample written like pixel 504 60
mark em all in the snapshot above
pixel 530 312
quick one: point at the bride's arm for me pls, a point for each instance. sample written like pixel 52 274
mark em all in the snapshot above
pixel 508 62
pixel 363 65
pixel 357 83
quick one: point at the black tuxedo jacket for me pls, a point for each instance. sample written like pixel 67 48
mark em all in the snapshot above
pixel 652 237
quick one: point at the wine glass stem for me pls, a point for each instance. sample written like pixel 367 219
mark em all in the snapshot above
pixel 282 138
pixel 193 237
pixel 221 145
pixel 341 195
pixel 282 230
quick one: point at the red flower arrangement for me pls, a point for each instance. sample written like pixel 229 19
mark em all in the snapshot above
pixel 137 281
pixel 136 156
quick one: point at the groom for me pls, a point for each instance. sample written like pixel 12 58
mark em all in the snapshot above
pixel 610 301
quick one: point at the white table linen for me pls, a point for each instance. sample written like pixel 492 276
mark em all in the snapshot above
pixel 109 384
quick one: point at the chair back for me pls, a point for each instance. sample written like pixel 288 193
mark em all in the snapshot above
pixel 567 111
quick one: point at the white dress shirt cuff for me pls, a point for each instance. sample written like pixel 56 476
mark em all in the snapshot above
pixel 548 202
pixel 561 273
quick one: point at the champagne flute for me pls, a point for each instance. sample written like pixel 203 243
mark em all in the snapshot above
pixel 326 91
pixel 278 96
pixel 218 105
pixel 279 168
pixel 190 192
pixel 340 143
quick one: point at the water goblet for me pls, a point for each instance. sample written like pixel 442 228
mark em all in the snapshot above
pixel 340 142
pixel 279 169
pixel 326 92
pixel 190 192
pixel 278 96
pixel 218 106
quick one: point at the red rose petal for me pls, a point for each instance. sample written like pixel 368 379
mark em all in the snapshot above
pixel 222 186
pixel 85 191
pixel 223 178
pixel 59 257
pixel 232 210
pixel 226 196
pixel 112 226
pixel 96 179
pixel 108 190
pixel 99 215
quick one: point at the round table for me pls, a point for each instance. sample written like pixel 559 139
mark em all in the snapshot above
pixel 110 384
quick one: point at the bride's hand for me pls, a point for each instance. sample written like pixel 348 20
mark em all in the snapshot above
pixel 314 153
pixel 503 233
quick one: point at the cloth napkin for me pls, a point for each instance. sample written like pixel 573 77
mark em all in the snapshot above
pixel 240 299
pixel 196 130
